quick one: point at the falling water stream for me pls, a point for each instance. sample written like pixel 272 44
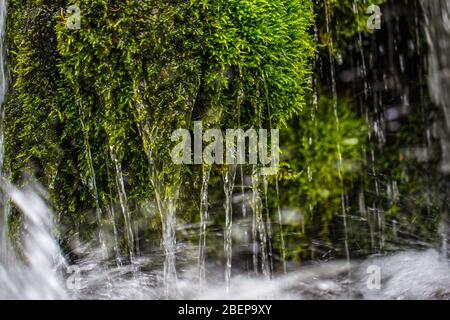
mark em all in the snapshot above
pixel 203 224
pixel 260 226
pixel 229 177
pixel 123 203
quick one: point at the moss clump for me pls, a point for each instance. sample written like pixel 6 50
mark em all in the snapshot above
pixel 89 109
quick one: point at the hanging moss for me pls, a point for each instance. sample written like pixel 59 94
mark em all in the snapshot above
pixel 86 103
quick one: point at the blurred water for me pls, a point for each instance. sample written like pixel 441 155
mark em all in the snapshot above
pixel 37 272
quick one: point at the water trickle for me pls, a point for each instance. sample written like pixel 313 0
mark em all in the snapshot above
pixel 260 229
pixel 112 220
pixel 169 244
pixel 268 223
pixel 93 184
pixel 268 233
pixel 244 203
pixel 363 68
pixel 166 198
pixel 280 222
pixel 123 203
pixel 437 30
pixel 229 177
pixel 166 202
pixel 254 243
pixel 204 214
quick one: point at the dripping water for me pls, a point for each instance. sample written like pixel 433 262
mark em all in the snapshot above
pixel 269 224
pixel 112 218
pixel 260 228
pixel 335 109
pixel 203 223
pixel 277 189
pixel 169 244
pixel 93 184
pixel 123 203
pixel 229 180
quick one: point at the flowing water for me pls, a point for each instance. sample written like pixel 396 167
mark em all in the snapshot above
pixel 46 275
pixel 229 177
pixel 41 276
pixel 253 261
pixel 203 224
pixel 259 227
pixel 123 203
